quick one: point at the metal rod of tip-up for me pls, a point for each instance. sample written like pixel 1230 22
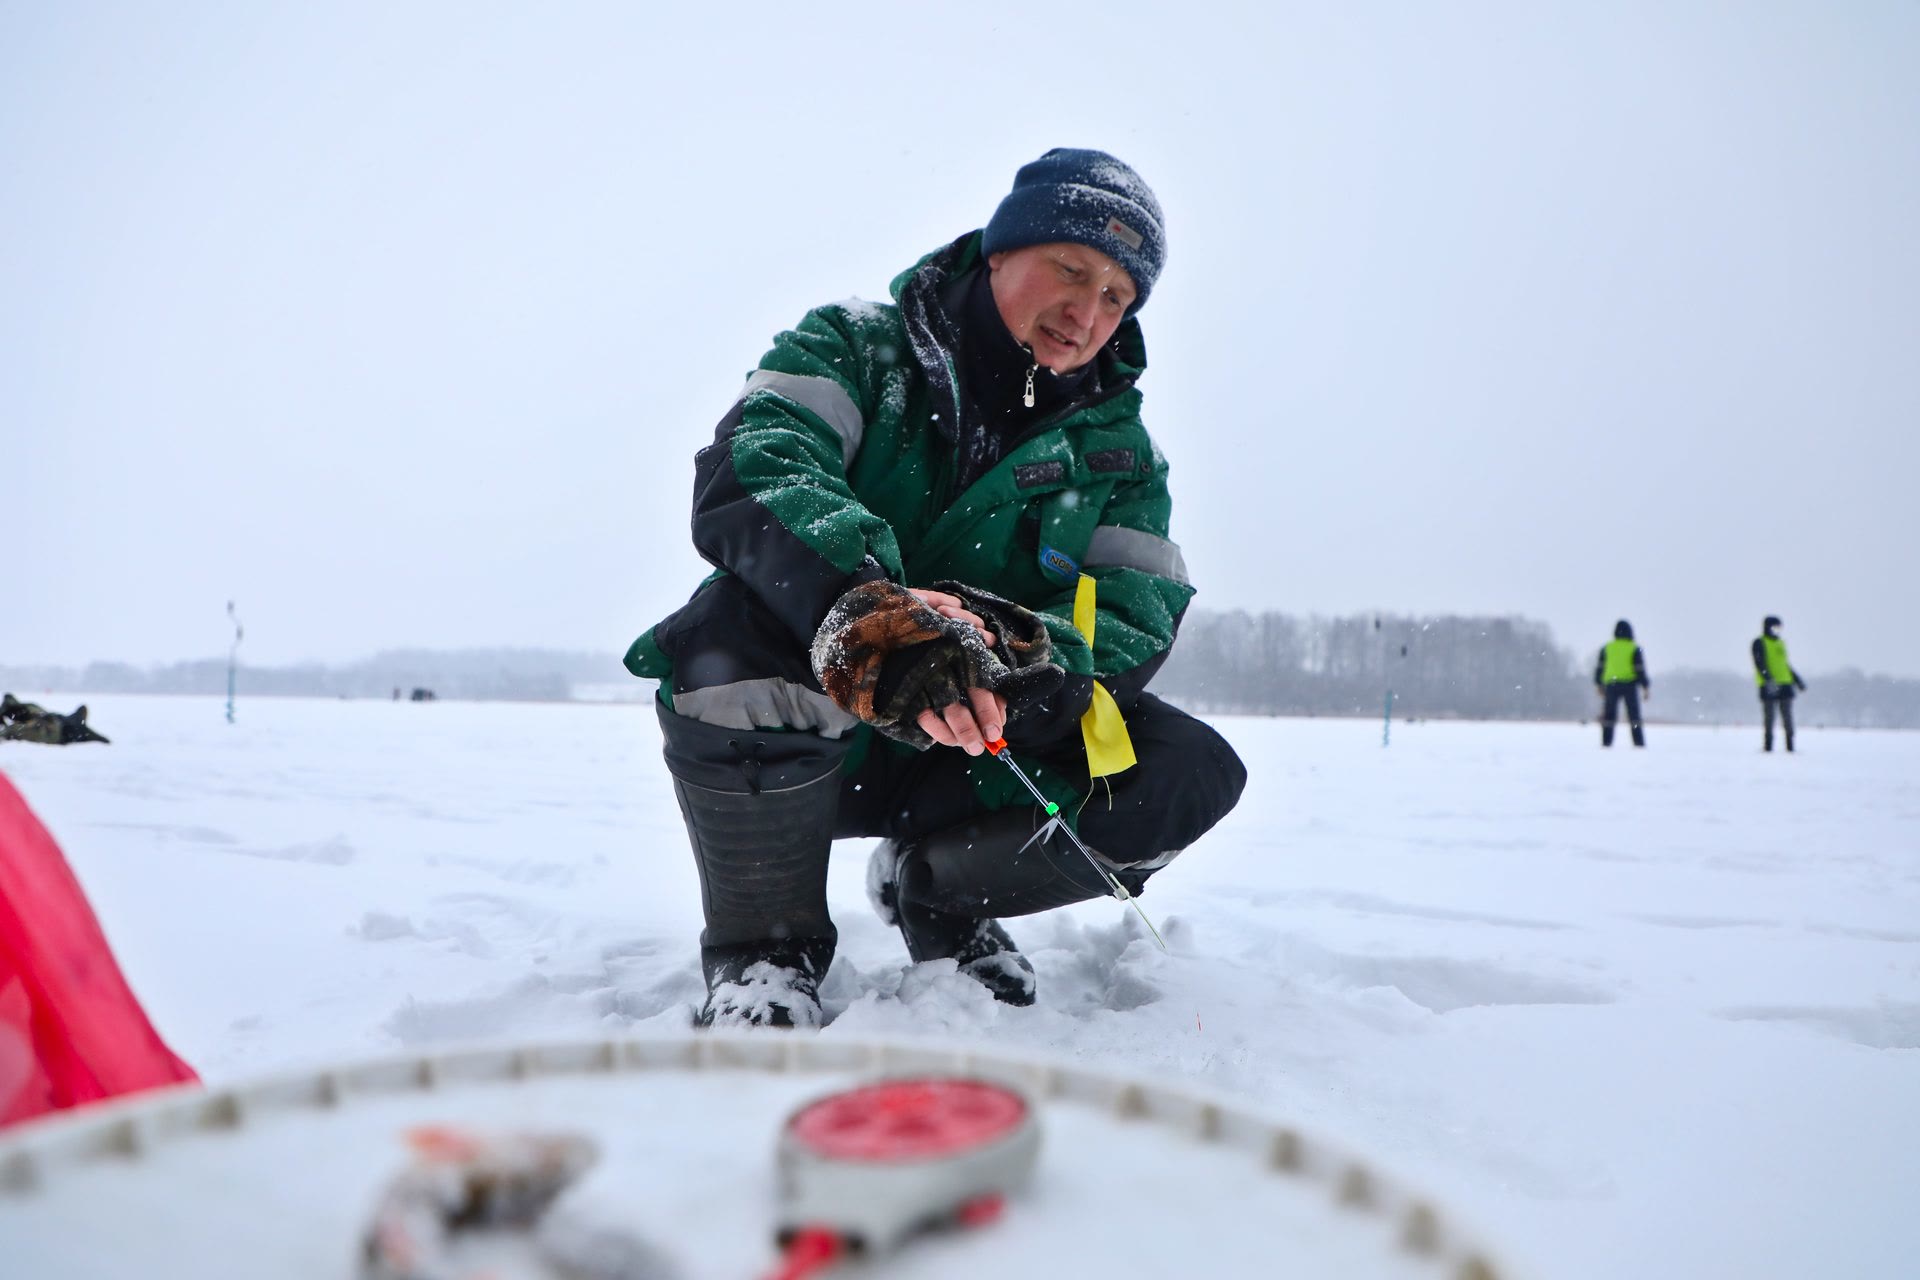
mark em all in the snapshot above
pixel 233 657
pixel 998 749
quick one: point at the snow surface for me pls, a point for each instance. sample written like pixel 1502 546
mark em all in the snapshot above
pixel 1649 1013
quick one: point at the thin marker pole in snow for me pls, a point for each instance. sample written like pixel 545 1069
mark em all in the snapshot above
pixel 233 657
pixel 1386 723
pixel 998 748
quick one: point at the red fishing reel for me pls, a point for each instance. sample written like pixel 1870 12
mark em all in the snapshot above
pixel 863 1169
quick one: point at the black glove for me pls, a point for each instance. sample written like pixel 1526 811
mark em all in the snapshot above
pixel 1800 684
pixel 885 655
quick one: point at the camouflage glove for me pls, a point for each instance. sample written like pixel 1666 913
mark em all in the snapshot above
pixel 885 656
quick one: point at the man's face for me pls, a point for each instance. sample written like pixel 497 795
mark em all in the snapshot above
pixel 1062 300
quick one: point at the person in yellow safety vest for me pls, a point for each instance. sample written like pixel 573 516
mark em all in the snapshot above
pixel 1620 675
pixel 1777 679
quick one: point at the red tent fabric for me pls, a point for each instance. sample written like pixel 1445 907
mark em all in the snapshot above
pixel 71 1030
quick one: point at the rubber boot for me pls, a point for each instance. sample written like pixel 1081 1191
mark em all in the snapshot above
pixel 944 892
pixel 759 807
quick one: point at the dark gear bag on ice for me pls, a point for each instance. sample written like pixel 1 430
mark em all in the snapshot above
pixel 30 722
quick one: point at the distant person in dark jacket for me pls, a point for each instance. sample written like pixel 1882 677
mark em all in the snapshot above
pixel 1619 676
pixel 1777 679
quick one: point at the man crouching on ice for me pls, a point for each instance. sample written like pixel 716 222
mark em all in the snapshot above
pixel 942 520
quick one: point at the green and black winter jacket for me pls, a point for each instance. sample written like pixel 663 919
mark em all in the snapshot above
pixel 838 465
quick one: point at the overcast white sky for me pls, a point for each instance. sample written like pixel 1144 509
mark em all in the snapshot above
pixel 399 324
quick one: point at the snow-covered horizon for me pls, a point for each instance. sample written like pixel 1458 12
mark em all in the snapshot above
pixel 1626 1012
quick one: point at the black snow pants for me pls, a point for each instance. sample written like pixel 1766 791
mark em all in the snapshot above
pixel 740 668
pixel 1783 699
pixel 1616 693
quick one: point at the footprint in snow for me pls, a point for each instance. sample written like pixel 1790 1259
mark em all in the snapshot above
pixel 1085 969
pixel 1882 1026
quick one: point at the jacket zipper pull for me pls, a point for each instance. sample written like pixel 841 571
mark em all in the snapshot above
pixel 1028 398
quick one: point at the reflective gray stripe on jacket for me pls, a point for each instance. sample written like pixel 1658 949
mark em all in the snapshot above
pixel 1132 549
pixel 769 703
pixel 825 397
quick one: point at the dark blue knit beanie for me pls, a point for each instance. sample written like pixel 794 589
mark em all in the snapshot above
pixel 1084 197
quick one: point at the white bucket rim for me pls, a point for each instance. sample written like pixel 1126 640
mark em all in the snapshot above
pixel 37 1152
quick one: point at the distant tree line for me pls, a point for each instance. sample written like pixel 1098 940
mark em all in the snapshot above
pixel 1467 667
pixel 515 675
pixel 1478 668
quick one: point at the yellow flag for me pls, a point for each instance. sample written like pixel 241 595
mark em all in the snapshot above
pixel 1109 748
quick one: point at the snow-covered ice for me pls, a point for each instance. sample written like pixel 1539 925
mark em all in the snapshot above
pixel 1650 1013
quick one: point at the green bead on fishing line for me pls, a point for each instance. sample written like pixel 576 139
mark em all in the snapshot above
pixel 1052 809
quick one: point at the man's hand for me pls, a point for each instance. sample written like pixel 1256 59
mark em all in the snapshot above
pixel 943 665
pixel 969 725
pixel 951 606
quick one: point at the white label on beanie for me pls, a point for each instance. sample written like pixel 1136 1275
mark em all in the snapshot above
pixel 1123 233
